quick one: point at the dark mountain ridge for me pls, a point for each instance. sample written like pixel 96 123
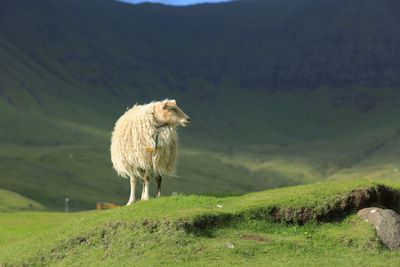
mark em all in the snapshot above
pixel 267 45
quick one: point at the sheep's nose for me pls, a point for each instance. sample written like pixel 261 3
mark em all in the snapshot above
pixel 188 119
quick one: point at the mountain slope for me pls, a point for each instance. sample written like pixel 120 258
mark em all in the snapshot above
pixel 272 45
pixel 10 201
pixel 280 92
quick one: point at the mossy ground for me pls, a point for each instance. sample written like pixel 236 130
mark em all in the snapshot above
pixel 200 231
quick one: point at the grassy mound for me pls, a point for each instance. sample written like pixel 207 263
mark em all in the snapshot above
pixel 204 230
pixel 10 201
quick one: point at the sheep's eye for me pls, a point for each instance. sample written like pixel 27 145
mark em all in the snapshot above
pixel 173 109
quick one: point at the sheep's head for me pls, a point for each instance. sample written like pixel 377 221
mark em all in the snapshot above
pixel 167 112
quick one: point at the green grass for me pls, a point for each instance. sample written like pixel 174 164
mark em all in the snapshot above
pixel 22 225
pixel 197 231
pixel 10 201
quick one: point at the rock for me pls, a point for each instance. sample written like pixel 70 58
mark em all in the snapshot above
pixel 386 223
pixel 229 245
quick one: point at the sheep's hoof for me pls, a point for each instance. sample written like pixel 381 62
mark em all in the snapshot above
pixel 130 203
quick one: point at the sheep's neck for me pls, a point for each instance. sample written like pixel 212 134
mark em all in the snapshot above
pixel 160 126
pixel 157 134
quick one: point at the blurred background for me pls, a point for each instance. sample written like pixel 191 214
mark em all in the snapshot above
pixel 280 92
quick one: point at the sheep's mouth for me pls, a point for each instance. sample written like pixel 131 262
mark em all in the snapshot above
pixel 185 124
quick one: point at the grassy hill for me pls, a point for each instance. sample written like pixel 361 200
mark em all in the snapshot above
pixel 10 201
pixel 276 99
pixel 288 226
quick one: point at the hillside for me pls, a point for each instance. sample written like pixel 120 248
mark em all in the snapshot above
pixel 288 92
pixel 206 231
pixel 10 201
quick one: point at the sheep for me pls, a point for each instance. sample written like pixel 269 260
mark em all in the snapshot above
pixel 144 143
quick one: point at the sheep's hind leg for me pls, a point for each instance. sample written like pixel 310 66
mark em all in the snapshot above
pixel 158 180
pixel 146 186
pixel 132 197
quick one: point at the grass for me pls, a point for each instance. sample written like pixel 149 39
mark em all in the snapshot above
pixel 10 201
pixel 22 225
pixel 200 231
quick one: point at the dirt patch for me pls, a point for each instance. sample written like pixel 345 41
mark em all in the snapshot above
pixel 356 200
pixel 150 225
pixel 203 224
pixel 362 198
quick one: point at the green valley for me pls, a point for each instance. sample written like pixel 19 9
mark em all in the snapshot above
pixel 275 98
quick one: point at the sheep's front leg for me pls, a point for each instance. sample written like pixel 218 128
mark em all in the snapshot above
pixel 146 186
pixel 132 197
pixel 158 180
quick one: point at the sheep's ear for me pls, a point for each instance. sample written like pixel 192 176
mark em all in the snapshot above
pixel 165 105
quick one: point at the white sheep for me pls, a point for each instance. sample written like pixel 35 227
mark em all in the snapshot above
pixel 144 143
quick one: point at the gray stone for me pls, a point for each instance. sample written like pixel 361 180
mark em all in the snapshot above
pixel 386 223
